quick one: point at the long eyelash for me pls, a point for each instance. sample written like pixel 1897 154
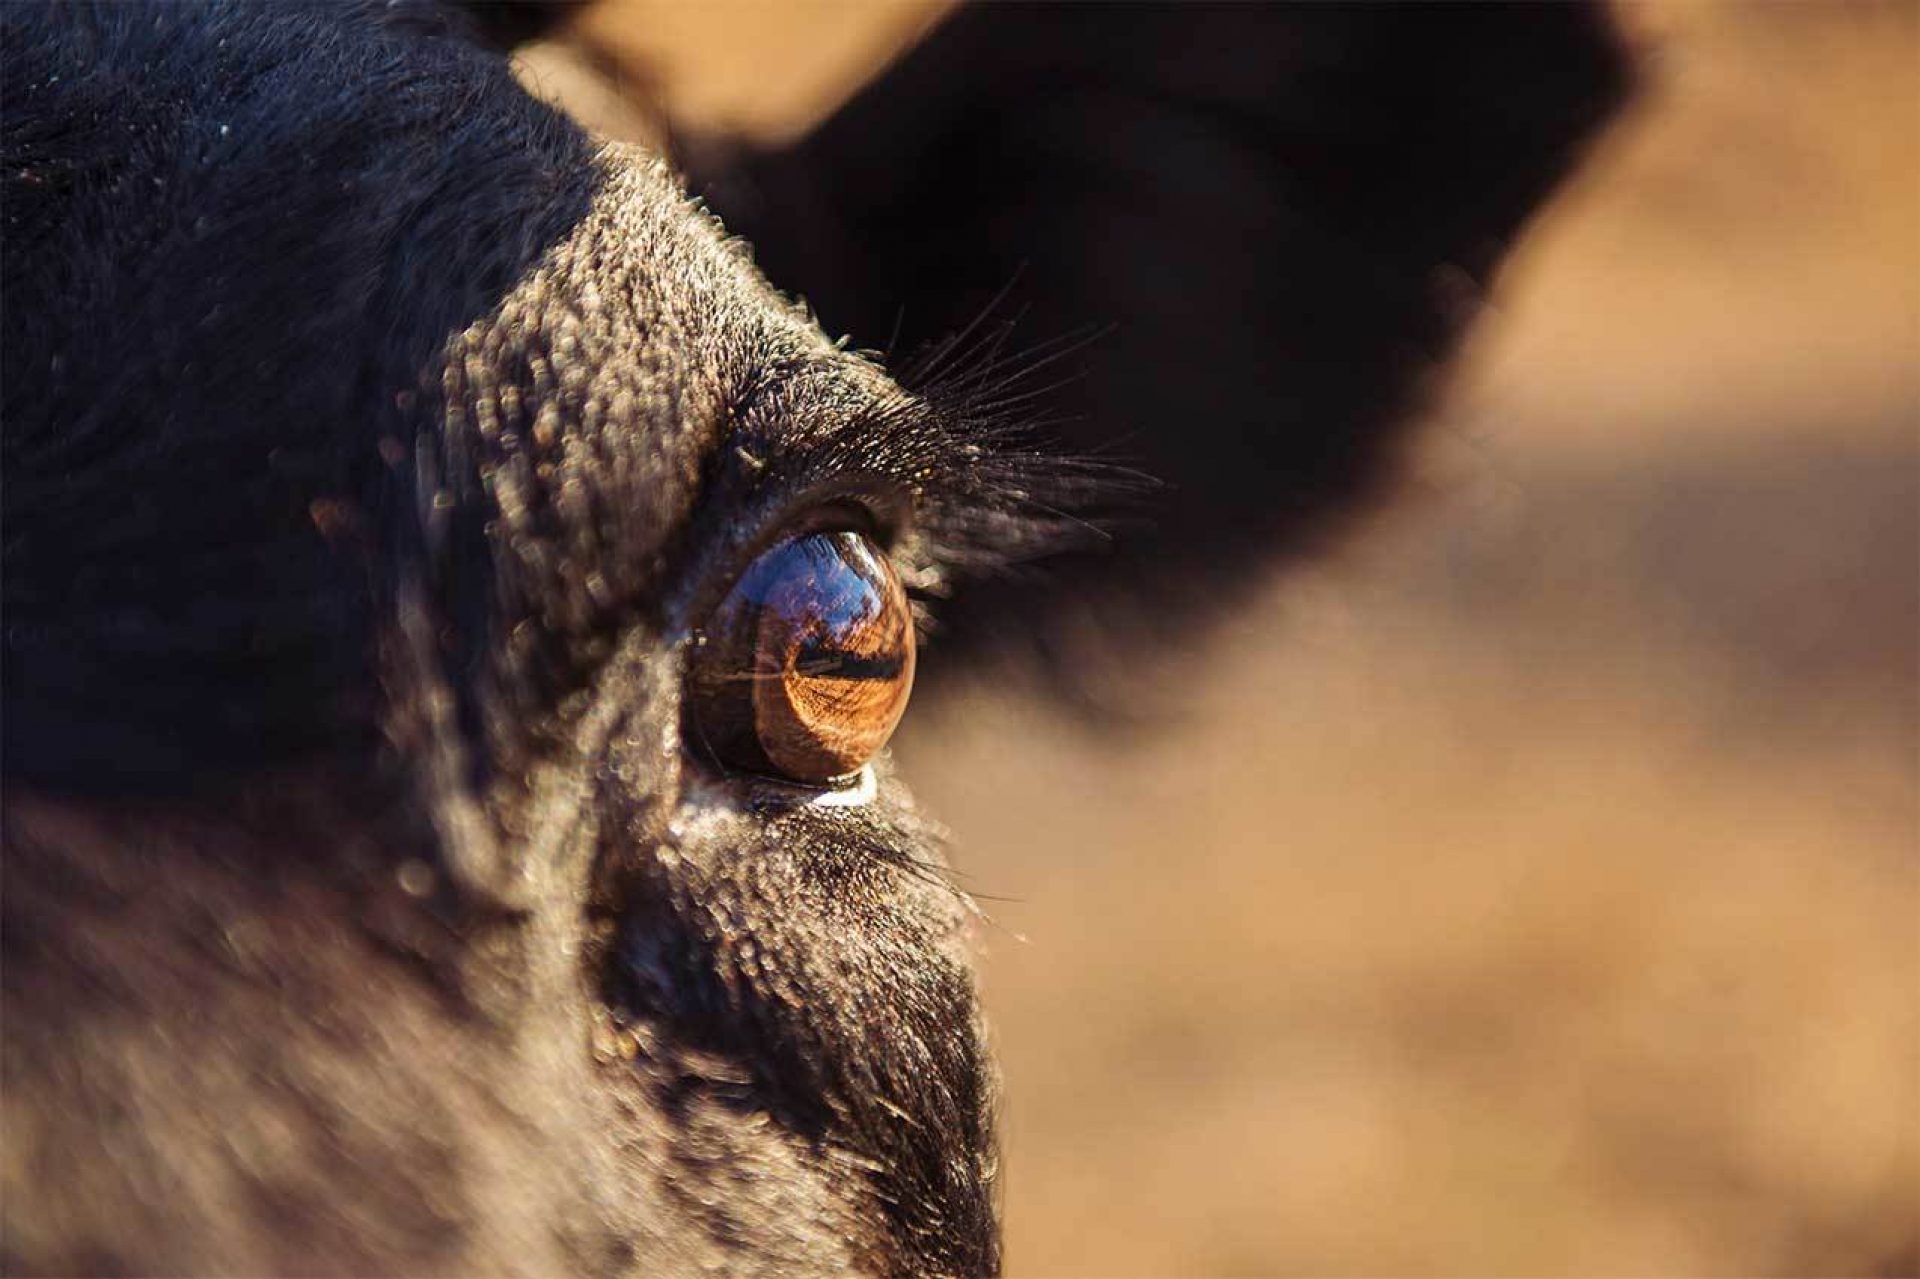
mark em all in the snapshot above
pixel 994 496
pixel 960 448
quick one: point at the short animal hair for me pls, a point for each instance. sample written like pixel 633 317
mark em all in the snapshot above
pixel 379 453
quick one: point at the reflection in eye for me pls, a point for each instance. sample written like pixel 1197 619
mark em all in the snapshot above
pixel 804 668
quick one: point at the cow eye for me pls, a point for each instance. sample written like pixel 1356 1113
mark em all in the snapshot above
pixel 804 667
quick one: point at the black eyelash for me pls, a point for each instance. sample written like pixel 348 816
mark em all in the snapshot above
pixel 991 495
pixel 949 462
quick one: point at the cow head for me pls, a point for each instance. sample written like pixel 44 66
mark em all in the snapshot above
pixel 455 607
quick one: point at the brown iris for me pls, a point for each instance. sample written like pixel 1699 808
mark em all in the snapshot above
pixel 806 664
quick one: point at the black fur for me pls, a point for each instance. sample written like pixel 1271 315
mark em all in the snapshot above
pixel 374 445
pixel 235 242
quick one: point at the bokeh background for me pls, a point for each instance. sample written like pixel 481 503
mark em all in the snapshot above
pixel 1532 885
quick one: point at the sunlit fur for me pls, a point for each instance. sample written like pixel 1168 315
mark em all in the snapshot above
pixel 374 443
pixel 385 473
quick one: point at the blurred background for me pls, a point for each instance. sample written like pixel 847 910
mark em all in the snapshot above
pixel 1532 885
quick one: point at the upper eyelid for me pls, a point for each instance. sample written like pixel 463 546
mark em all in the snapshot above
pixel 807 464
pixel 768 508
pixel 751 402
pixel 949 488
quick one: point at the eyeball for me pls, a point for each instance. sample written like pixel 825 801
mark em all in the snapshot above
pixel 804 668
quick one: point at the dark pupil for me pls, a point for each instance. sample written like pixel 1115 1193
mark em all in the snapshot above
pixel 817 658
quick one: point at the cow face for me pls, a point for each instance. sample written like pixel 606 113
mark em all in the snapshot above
pixel 455 610
pixel 437 555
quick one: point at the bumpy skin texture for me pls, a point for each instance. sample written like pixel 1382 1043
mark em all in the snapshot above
pixel 450 446
pixel 374 447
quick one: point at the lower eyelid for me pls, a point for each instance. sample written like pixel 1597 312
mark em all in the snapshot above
pixel 857 793
pixel 716 786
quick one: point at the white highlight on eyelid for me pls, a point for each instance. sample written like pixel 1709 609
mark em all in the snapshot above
pixel 861 792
